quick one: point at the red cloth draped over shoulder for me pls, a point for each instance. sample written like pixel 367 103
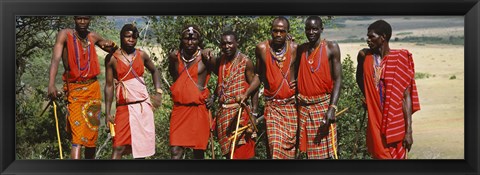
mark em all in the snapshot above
pixel 278 79
pixel 184 89
pixel 189 122
pixel 320 81
pixel 89 66
pixel 124 73
pixel 398 74
pixel 123 69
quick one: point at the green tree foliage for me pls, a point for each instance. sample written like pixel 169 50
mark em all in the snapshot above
pixel 352 124
pixel 159 35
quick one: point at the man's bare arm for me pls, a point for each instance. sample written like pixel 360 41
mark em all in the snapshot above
pixel 106 45
pixel 359 72
pixel 109 87
pixel 172 60
pixel 61 38
pixel 336 69
pixel 153 70
pixel 336 73
pixel 407 114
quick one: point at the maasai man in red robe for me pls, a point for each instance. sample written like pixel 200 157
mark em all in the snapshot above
pixel 134 123
pixel 386 78
pixel 237 82
pixel 189 121
pixel 76 49
pixel 276 67
pixel 319 82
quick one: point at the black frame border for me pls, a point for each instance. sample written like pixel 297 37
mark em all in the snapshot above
pixel 470 9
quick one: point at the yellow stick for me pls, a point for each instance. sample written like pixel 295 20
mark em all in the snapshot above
pixel 333 142
pixel 112 129
pixel 236 131
pixel 333 136
pixel 58 132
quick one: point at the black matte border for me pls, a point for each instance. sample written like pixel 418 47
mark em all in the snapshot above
pixel 470 9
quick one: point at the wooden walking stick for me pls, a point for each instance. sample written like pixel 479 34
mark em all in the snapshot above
pixel 58 132
pixel 236 131
pixel 333 136
pixel 242 129
pixel 211 134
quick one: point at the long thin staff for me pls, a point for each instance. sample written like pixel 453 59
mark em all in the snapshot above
pixel 242 129
pixel 333 136
pixel 211 134
pixel 236 131
pixel 56 125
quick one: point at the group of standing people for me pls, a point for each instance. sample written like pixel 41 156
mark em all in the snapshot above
pixel 302 86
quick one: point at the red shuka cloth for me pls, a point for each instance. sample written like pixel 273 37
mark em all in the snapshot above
pixel 320 81
pixel 277 78
pixel 90 71
pixel 386 128
pixel 189 122
pixel 315 88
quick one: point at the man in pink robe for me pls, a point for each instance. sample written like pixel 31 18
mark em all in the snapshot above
pixel 134 120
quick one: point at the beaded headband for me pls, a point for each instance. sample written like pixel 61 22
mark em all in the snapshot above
pixel 191 30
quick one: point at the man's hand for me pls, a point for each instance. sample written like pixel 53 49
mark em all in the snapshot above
pixel 108 119
pixel 209 101
pixel 408 140
pixel 330 116
pixel 207 53
pixel 293 84
pixel 241 98
pixel 156 100
pixel 53 93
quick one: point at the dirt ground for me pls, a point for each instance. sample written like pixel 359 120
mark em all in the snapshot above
pixel 438 128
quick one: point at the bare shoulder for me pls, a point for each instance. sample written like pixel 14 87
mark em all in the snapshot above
pixel 110 59
pixel 261 46
pixel 332 44
pixel 62 34
pixel 65 31
pixel 246 59
pixel 361 54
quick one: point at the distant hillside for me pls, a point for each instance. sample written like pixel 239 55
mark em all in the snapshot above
pixel 122 20
pixel 450 29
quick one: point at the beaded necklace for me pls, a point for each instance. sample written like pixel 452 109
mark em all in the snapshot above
pixel 377 68
pixel 77 58
pixel 280 57
pixel 310 61
pixel 182 53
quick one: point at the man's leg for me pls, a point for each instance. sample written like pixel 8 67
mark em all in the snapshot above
pixel 90 152
pixel 177 152
pixel 118 152
pixel 75 152
pixel 198 154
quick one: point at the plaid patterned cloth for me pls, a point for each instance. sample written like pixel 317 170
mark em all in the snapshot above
pixel 232 84
pixel 315 137
pixel 226 123
pixel 281 119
